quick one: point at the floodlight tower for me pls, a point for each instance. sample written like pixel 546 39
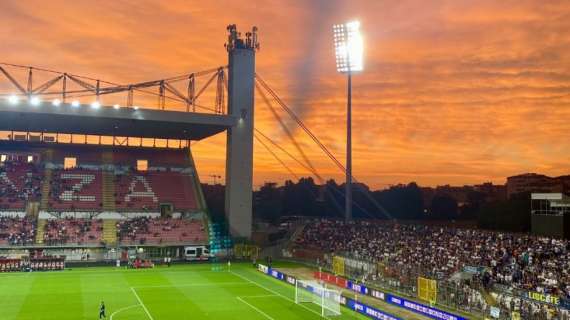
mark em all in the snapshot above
pixel 349 48
pixel 239 148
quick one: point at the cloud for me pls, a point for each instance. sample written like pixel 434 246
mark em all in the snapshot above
pixel 453 91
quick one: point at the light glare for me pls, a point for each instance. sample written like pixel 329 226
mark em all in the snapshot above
pixel 13 99
pixel 35 101
pixel 95 105
pixel 349 47
pixel 116 106
pixel 75 103
pixel 56 102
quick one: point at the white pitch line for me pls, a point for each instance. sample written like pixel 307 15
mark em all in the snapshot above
pixel 255 308
pixel 261 296
pixel 277 293
pixel 142 304
pixel 123 309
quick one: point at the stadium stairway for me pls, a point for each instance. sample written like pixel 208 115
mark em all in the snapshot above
pixel 296 234
pixel 110 232
pixel 108 191
pixel 40 231
pixel 108 183
pixel 44 201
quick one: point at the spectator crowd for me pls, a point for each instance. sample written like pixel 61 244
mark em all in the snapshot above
pixel 16 231
pixel 145 230
pixel 73 231
pixel 521 263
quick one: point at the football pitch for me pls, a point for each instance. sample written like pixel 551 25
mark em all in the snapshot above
pixel 179 292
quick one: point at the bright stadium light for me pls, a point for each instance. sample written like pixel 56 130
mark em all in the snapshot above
pixel 75 103
pixel 56 102
pixel 35 101
pixel 96 105
pixel 116 106
pixel 349 47
pixel 349 51
pixel 13 99
pixel 136 107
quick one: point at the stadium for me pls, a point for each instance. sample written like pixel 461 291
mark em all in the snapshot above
pixel 104 213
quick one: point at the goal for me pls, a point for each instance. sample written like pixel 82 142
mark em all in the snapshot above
pixel 310 291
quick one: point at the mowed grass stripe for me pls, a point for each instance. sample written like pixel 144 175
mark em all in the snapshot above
pixel 18 289
pixel 51 299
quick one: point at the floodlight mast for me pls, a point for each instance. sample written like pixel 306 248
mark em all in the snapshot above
pixel 348 49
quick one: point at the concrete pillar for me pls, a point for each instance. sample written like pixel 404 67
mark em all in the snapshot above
pixel 239 149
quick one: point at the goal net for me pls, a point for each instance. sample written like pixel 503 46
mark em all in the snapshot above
pixel 310 291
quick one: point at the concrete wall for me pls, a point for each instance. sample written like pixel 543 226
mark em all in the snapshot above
pixel 239 166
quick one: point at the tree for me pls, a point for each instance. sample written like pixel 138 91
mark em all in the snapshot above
pixel 510 215
pixel 443 207
pixel 215 200
pixel 267 203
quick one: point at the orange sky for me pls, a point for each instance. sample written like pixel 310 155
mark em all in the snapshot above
pixel 453 91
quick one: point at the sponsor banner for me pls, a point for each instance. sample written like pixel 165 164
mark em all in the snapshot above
pixel 541 297
pixel 263 268
pixel 433 313
pixel 368 311
pixel 276 274
pixel 472 269
pixel 291 280
pixel 377 294
pixel 331 278
pixel 357 287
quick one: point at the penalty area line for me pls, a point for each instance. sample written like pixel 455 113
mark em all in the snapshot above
pixel 141 303
pixel 260 296
pixel 277 293
pixel 255 308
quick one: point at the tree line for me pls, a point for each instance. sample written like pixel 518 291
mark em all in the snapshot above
pixel 401 202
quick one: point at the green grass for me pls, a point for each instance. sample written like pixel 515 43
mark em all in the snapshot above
pixel 179 292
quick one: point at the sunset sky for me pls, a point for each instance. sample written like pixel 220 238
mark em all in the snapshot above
pixel 453 92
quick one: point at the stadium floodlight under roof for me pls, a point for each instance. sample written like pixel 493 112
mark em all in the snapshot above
pixel 349 47
pixel 13 99
pixel 35 101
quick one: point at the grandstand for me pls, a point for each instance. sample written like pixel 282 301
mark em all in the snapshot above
pixel 67 194
pixel 101 201
pixel 520 276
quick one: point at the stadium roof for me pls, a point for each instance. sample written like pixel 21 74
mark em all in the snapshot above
pixel 108 121
pixel 549 196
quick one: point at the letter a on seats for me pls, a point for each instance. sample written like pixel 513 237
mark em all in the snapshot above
pixel 147 193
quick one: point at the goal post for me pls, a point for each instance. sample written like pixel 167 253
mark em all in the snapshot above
pixel 310 291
